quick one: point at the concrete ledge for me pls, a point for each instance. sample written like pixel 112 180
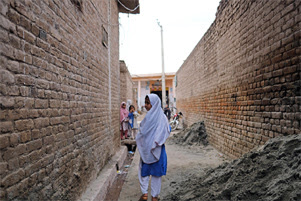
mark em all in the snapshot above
pixel 98 188
pixel 131 187
pixel 128 142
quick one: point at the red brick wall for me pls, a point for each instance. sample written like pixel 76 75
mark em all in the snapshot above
pixel 59 96
pixel 126 84
pixel 243 77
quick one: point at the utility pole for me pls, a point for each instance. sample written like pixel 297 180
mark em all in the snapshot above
pixel 163 73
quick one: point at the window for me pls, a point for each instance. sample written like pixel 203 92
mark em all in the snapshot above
pixel 104 37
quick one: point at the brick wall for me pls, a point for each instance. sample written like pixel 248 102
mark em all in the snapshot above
pixel 59 96
pixel 126 84
pixel 243 77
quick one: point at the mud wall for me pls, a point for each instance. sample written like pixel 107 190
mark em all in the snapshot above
pixel 126 84
pixel 59 96
pixel 243 77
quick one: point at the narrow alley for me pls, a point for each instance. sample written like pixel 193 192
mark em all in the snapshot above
pixel 64 81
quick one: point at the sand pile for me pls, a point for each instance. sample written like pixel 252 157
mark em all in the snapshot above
pixel 270 173
pixel 193 135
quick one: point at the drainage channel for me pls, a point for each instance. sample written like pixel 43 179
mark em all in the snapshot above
pixel 122 171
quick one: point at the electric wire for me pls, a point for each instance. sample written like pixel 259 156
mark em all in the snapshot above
pixel 131 10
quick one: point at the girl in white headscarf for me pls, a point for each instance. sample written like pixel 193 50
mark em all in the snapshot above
pixel 153 132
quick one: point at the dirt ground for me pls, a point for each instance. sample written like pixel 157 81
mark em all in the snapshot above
pixel 197 171
pixel 183 162
pixel 270 173
pixel 187 162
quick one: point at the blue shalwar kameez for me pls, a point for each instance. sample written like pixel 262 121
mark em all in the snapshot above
pixel 153 132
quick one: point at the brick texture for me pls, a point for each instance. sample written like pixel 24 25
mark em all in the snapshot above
pixel 243 77
pixel 126 84
pixel 59 98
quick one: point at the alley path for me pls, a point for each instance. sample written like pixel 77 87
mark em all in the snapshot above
pixel 182 162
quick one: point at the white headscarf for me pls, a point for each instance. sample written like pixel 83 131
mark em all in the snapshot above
pixel 153 132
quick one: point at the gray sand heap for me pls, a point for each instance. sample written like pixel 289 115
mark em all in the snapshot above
pixel 193 135
pixel 270 173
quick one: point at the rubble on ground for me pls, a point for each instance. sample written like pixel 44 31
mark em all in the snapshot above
pixel 193 135
pixel 270 173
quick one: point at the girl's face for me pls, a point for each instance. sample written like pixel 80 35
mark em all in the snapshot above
pixel 132 109
pixel 148 105
pixel 123 106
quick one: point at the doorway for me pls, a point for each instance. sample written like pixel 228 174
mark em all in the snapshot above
pixel 159 93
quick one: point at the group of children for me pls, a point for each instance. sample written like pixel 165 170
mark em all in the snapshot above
pixel 128 122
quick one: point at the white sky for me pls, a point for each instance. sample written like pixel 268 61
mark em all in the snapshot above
pixel 184 23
